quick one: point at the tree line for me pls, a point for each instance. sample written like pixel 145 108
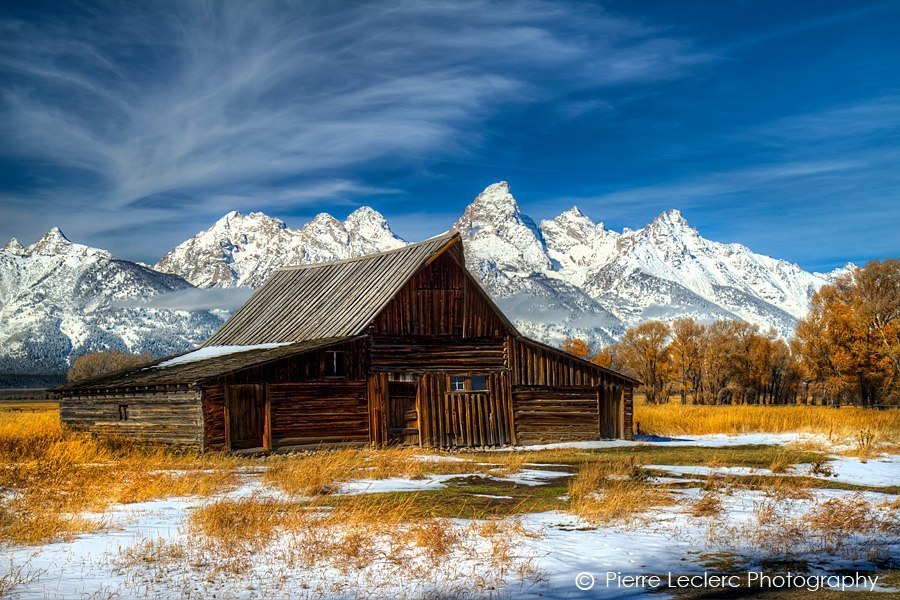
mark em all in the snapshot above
pixel 846 351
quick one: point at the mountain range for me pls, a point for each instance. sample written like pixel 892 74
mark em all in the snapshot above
pixel 564 277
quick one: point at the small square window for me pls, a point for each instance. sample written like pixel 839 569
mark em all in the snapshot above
pixel 479 383
pixel 123 412
pixel 335 364
pixel 457 384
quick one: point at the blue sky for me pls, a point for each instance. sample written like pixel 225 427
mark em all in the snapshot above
pixel 133 125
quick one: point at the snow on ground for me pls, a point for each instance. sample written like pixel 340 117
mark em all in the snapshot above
pixel 394 484
pixel 881 471
pixel 530 477
pixel 876 472
pixel 666 539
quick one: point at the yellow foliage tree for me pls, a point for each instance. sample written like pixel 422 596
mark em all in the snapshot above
pixel 94 364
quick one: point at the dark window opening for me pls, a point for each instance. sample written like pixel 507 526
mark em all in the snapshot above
pixel 123 412
pixel 479 383
pixel 335 364
pixel 462 383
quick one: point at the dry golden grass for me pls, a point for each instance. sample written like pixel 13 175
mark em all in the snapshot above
pixel 350 535
pixel 321 472
pixel 50 476
pixel 781 464
pixel 707 505
pixel 604 492
pixel 840 423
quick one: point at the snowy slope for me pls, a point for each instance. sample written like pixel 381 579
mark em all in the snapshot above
pixel 59 300
pixel 242 250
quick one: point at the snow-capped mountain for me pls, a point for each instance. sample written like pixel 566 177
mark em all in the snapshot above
pixel 59 300
pixel 567 277
pixel 242 250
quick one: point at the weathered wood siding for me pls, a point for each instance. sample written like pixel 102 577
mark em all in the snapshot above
pixel 553 414
pixel 535 365
pixel 318 413
pixel 304 367
pixel 405 354
pixel 440 300
pixel 475 418
pixel 305 406
pixel 558 397
pixel 171 417
pixel 214 417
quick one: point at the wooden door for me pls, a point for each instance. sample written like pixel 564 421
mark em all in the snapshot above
pixel 403 417
pixel 246 416
pixel 610 408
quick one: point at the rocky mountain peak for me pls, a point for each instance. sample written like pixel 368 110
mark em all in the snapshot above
pixel 671 219
pixel 370 232
pixel 13 247
pixel 496 231
pixel 574 240
pixel 55 243
pixel 496 202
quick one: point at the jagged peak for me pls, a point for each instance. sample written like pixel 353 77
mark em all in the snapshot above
pixel 365 214
pixel 235 218
pixel 496 197
pixel 13 247
pixel 55 242
pixel 323 220
pixel 52 242
pixel 672 216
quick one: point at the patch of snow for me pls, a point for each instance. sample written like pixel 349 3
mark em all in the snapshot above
pixel 880 472
pixel 394 484
pixel 213 352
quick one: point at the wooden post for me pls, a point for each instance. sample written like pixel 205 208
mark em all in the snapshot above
pixel 267 419
pixel 227 396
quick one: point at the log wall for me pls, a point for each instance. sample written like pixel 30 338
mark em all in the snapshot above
pixel 308 366
pixel 172 417
pixel 556 414
pixel 557 397
pixel 404 354
pixel 318 412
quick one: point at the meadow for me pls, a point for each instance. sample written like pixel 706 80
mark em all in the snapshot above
pixel 788 488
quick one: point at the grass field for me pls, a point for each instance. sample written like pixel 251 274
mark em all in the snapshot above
pixel 335 522
pixel 674 419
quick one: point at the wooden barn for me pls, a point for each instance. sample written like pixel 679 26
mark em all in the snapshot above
pixel 401 347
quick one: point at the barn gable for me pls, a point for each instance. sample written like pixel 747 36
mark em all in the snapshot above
pixel 328 300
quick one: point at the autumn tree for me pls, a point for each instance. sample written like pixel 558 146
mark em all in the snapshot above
pixel 577 346
pixel 94 364
pixel 849 343
pixel 644 353
pixel 684 350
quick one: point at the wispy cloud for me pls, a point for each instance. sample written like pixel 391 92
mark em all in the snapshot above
pixel 168 101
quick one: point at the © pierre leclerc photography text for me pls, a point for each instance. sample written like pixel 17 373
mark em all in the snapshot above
pixel 449 300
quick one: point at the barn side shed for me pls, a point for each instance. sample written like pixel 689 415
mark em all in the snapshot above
pixel 400 347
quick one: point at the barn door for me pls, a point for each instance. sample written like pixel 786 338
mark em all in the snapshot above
pixel 246 416
pixel 403 417
pixel 610 412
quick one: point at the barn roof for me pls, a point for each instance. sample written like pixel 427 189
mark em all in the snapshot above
pixel 192 367
pixel 331 299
